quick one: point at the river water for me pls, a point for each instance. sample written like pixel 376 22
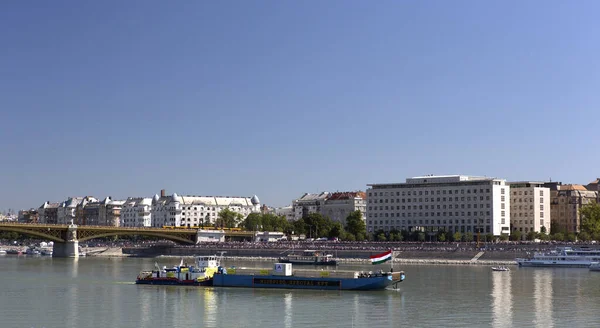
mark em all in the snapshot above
pixel 99 292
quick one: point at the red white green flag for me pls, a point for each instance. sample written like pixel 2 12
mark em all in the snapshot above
pixel 380 258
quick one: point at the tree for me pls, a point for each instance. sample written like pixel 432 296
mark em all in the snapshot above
pixel 558 236
pixel 228 218
pixel 381 237
pixel 457 236
pixel 515 235
pixel 583 236
pixel 355 224
pixel 489 237
pixel 337 230
pixel 504 237
pixel 590 218
pixel 543 230
pixel 252 222
pixel 469 236
pixel 531 235
pixel 441 236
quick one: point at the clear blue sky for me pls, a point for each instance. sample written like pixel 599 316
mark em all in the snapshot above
pixel 278 98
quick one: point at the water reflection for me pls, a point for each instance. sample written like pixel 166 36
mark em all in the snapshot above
pixel 542 297
pixel 502 301
pixel 287 301
pixel 210 306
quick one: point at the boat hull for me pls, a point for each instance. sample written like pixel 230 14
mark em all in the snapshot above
pixel 307 262
pixel 174 282
pixel 554 264
pixel 294 282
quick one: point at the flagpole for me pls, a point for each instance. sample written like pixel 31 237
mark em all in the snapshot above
pixel 392 265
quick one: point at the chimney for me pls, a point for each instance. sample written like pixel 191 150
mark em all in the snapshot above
pixel 162 193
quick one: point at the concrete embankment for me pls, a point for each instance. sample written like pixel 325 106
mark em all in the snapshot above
pixel 454 257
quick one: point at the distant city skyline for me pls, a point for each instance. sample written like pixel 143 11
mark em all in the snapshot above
pixel 277 99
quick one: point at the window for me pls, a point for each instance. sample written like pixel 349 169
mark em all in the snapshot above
pixel 502 198
pixel 541 216
pixel 541 199
pixel 541 207
pixel 502 191
pixel 541 193
pixel 502 213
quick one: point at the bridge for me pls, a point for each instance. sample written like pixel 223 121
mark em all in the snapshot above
pixel 66 237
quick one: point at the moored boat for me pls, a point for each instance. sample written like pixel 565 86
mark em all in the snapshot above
pixel 199 275
pixel 566 257
pixel 309 257
pixel 595 266
pixel 500 268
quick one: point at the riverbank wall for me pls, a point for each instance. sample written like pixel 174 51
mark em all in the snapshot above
pixel 344 256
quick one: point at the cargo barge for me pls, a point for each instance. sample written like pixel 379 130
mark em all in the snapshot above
pixel 282 276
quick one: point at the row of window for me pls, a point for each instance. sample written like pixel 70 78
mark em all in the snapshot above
pixel 427 222
pixel 426 214
pixel 524 193
pixel 427 192
pixel 427 199
pixel 433 207
pixel 528 222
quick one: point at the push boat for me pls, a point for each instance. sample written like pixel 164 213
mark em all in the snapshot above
pixel 564 257
pixel 200 274
pixel 309 257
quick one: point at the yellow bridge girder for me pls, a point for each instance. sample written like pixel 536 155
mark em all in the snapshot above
pixel 58 232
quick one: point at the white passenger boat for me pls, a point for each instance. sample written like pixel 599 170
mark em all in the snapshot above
pixel 563 257
pixel 595 266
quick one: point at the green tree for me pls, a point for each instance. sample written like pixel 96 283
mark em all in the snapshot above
pixel 559 236
pixel 349 237
pixel 590 218
pixel 355 223
pixel 441 236
pixel 531 235
pixel 252 222
pixel 337 230
pixel 361 236
pixel 457 236
pixel 504 237
pixel 571 237
pixel 583 236
pixel 543 230
pixel 469 236
pixel 381 237
pixel 516 235
pixel 228 218
pixel 489 237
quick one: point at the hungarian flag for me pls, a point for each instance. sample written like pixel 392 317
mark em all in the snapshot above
pixel 380 258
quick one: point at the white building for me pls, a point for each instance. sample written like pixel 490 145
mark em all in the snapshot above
pixel 199 211
pixel 340 204
pixel 452 203
pixel 136 212
pixel 287 211
pixel 211 236
pixel 67 210
pixel 308 204
pixel 530 207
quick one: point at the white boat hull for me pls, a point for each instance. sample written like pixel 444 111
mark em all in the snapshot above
pixel 554 264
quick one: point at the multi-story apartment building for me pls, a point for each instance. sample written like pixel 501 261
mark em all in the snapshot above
pixel 67 210
pixel 340 204
pixel 87 211
pixel 113 212
pixel 28 216
pixel 530 207
pixel 308 204
pixel 595 186
pixel 452 203
pixel 48 213
pixel 137 212
pixel 287 211
pixel 200 211
pixel 565 203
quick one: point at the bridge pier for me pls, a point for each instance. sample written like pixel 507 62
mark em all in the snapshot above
pixel 66 249
pixel 70 248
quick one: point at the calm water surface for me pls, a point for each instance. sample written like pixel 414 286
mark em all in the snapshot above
pixel 98 292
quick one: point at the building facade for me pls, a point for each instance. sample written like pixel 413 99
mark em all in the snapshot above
pixel 198 211
pixel 287 211
pixel 113 212
pixel 136 212
pixel 67 210
pixel 451 203
pixel 565 204
pixel 28 216
pixel 308 204
pixel 530 207
pixel 48 213
pixel 340 204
